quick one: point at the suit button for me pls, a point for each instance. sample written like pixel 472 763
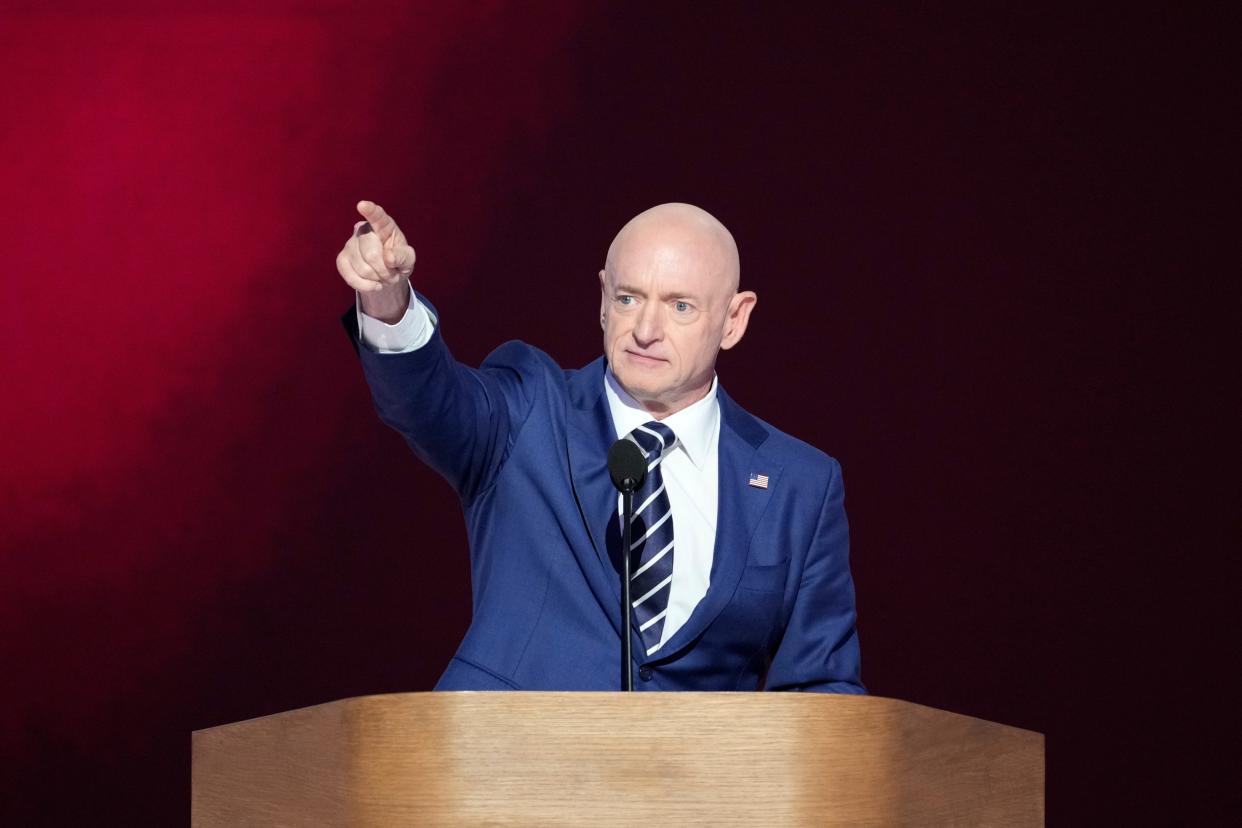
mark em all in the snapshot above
pixel 644 673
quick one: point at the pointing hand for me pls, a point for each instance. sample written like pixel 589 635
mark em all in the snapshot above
pixel 377 262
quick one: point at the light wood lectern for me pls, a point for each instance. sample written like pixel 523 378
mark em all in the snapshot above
pixel 617 759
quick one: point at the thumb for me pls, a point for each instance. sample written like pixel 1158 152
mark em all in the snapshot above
pixel 400 259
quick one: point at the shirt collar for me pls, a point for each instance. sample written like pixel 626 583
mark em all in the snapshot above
pixel 694 425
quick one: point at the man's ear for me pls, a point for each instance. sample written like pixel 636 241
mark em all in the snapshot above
pixel 603 300
pixel 738 317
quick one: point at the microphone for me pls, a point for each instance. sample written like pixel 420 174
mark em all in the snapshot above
pixel 627 466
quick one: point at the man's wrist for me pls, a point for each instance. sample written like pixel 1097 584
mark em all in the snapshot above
pixel 388 306
pixel 408 333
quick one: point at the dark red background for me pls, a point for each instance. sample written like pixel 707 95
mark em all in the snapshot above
pixel 983 245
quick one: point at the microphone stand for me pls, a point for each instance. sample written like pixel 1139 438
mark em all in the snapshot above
pixel 627 466
pixel 627 618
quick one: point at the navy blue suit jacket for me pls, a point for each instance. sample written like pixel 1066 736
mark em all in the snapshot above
pixel 524 444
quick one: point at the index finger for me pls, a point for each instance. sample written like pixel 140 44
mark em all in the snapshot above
pixel 381 222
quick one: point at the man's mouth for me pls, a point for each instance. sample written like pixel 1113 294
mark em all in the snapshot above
pixel 643 359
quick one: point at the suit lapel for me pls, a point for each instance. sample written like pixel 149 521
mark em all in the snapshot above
pixel 589 434
pixel 737 515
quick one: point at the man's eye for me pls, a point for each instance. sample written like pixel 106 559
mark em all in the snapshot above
pixel 681 307
pixel 625 300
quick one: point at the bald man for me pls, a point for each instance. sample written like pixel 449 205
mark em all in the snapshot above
pixel 741 576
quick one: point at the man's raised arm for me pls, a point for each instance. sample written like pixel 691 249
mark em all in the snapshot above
pixel 456 418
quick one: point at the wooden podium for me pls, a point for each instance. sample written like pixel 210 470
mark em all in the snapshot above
pixel 586 759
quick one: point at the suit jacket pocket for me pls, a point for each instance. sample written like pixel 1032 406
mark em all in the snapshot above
pixel 765 578
pixel 751 620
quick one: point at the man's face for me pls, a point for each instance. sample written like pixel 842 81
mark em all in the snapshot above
pixel 667 308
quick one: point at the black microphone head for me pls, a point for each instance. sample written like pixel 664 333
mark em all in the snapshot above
pixel 626 465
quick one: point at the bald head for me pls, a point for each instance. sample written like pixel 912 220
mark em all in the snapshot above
pixel 669 303
pixel 675 230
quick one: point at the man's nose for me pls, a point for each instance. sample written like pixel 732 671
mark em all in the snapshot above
pixel 649 326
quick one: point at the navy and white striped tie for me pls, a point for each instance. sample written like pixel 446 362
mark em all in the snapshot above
pixel 651 539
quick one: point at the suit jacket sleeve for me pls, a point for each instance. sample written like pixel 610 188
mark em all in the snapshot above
pixel 819 649
pixel 461 421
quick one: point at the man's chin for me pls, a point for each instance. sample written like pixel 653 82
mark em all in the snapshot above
pixel 638 387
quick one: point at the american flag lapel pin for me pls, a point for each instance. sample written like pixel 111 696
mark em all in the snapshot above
pixel 759 481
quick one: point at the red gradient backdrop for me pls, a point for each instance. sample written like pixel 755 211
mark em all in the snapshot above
pixel 982 245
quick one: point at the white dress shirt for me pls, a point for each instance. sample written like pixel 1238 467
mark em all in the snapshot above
pixel 691 470
pixel 691 480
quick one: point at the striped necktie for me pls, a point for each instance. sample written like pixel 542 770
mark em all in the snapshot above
pixel 651 538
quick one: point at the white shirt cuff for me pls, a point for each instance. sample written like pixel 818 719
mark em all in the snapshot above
pixel 410 333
